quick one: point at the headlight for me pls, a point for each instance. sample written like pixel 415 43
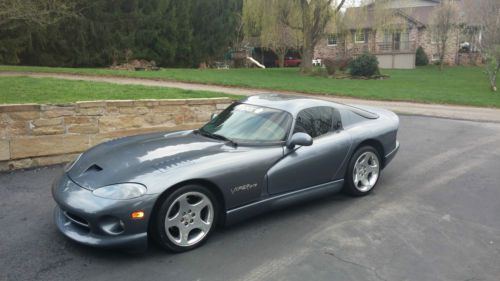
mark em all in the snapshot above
pixel 71 164
pixel 121 191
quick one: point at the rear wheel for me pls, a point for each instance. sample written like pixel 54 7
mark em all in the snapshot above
pixel 363 172
pixel 186 218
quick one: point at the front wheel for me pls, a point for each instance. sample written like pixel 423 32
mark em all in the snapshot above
pixel 186 218
pixel 363 172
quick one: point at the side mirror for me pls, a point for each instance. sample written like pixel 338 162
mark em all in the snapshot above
pixel 302 139
pixel 212 116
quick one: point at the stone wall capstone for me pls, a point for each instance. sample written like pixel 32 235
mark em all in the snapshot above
pixel 34 135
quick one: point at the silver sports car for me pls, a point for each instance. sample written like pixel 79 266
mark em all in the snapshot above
pixel 261 153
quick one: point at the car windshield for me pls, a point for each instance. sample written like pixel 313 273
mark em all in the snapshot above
pixel 249 123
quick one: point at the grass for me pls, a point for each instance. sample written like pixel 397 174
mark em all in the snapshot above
pixel 48 90
pixel 454 85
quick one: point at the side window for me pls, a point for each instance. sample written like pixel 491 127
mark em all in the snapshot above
pixel 315 121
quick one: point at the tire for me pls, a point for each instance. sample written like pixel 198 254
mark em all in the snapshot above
pixel 185 219
pixel 362 177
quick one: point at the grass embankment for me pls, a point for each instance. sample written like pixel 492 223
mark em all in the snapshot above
pixel 454 85
pixel 48 90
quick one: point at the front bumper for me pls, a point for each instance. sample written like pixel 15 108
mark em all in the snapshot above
pixel 388 158
pixel 100 222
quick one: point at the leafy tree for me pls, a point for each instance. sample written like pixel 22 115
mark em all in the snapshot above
pixel 216 25
pixel 486 13
pixel 444 20
pixel 309 17
pixel 313 18
pixel 172 33
pixel 18 17
pixel 266 19
pixel 33 12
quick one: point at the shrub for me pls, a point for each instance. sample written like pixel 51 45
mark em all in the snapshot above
pixel 332 65
pixel 344 63
pixel 364 65
pixel 320 72
pixel 421 57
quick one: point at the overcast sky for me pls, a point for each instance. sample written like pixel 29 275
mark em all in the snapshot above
pixel 351 3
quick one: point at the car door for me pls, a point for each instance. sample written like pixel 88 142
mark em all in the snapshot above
pixel 319 163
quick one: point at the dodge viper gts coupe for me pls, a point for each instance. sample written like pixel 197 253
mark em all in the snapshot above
pixel 261 153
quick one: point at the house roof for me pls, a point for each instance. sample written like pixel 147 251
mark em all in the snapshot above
pixel 419 15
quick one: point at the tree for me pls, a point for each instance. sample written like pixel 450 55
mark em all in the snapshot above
pixel 265 20
pixel 486 15
pixel 314 15
pixel 35 12
pixel 172 33
pixel 216 27
pixel 445 19
pixel 19 17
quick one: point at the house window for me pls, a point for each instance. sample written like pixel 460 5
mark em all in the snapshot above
pixel 435 57
pixel 387 37
pixel 434 37
pixel 360 36
pixel 332 40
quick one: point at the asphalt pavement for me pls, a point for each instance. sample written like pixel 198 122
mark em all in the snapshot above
pixel 435 215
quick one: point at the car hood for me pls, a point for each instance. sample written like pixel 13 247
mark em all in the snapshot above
pixel 126 159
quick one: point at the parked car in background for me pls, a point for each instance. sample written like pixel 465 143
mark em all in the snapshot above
pixel 290 62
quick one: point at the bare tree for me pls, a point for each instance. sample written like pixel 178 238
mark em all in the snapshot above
pixel 264 19
pixel 33 12
pixel 308 17
pixel 444 20
pixel 486 15
pixel 315 16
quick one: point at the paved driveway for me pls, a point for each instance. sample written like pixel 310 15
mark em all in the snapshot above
pixel 434 216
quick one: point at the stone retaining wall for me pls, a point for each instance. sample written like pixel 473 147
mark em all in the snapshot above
pixel 34 135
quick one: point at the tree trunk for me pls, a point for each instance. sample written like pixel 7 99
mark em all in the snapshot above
pixel 307 54
pixel 493 76
pixel 281 60
pixel 306 64
pixel 280 53
pixel 443 54
pixel 441 62
pixel 307 47
pixel 493 81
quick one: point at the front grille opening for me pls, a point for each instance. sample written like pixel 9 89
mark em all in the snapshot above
pixel 77 219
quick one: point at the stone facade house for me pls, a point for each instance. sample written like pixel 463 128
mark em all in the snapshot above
pixel 395 44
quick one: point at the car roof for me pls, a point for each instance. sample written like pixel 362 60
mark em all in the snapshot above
pixel 290 103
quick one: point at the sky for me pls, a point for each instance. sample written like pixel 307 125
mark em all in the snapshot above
pixel 350 3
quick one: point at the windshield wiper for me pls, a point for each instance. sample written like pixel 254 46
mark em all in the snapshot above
pixel 216 136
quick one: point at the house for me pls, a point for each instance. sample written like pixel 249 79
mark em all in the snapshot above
pixel 394 33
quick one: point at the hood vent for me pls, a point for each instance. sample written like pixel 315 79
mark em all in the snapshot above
pixel 93 168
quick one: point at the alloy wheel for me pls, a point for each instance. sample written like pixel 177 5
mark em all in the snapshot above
pixel 366 171
pixel 189 219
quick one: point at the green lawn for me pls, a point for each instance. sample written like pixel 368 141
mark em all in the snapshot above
pixel 48 90
pixel 454 85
